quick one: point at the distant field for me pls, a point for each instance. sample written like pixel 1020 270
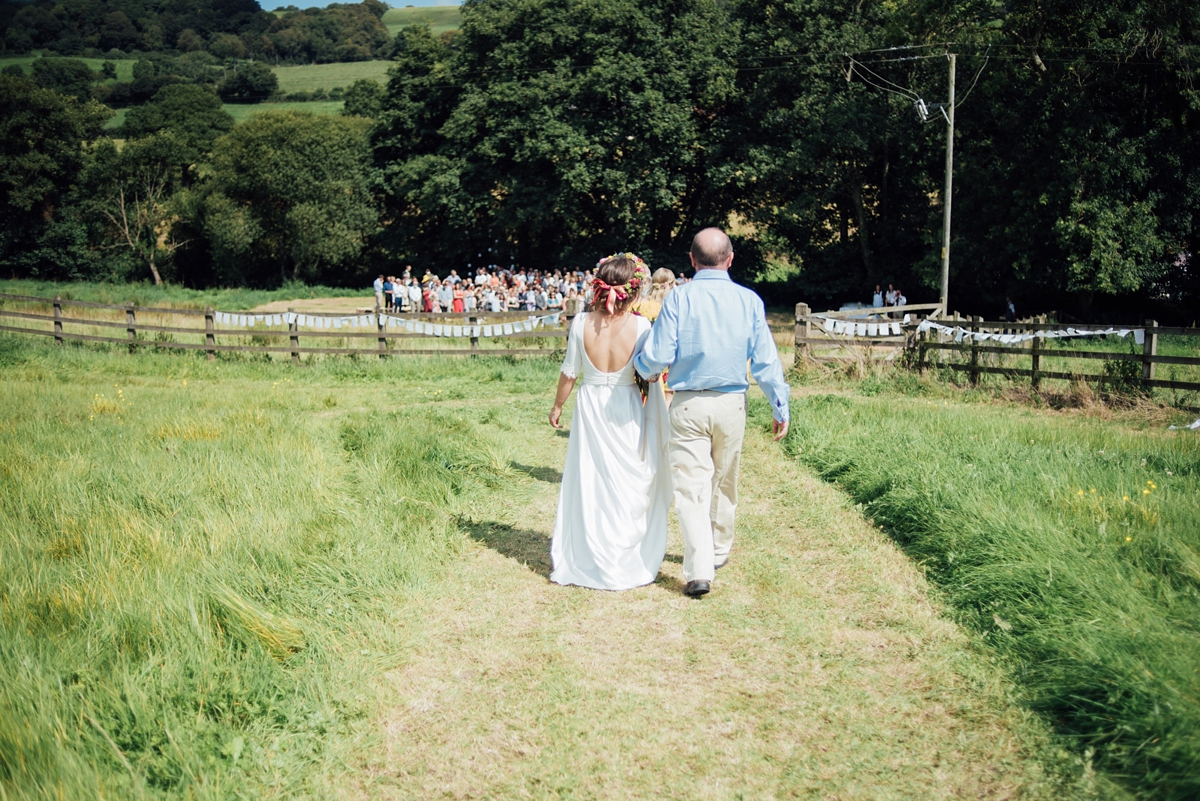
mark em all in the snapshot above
pixel 244 111
pixel 124 66
pixel 308 77
pixel 439 18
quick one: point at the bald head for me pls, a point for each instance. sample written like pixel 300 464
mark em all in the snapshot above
pixel 711 250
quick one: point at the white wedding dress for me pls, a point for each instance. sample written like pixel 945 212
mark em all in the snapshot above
pixel 611 529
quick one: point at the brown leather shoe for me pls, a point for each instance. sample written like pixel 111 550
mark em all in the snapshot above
pixel 695 589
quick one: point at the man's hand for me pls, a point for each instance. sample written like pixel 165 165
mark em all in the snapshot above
pixel 780 429
pixel 555 416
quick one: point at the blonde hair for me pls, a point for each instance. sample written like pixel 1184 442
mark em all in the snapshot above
pixel 664 282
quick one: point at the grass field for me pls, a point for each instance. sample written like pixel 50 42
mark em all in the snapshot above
pixel 308 77
pixel 244 579
pixel 171 295
pixel 438 18
pixel 244 111
pixel 1071 545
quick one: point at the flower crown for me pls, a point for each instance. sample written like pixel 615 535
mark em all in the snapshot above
pixel 641 273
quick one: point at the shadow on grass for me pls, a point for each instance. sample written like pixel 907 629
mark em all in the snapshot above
pixel 547 474
pixel 530 548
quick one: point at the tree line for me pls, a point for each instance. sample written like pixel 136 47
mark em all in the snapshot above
pixel 548 131
pixel 224 29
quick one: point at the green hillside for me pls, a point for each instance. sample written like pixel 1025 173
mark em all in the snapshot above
pixel 310 77
pixel 439 18
pixel 243 111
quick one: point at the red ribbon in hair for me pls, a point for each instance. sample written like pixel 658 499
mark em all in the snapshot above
pixel 615 293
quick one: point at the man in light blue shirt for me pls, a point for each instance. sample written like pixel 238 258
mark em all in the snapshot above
pixel 706 332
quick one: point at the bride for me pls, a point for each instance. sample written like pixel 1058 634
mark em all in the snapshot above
pixel 611 529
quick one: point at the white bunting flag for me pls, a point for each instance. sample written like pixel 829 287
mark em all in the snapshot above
pixel 1139 336
pixel 475 331
pixel 258 318
pixel 896 329
pixel 337 322
pixel 439 330
pixel 860 329
pixel 507 328
pixel 872 329
pixel 457 332
pixel 487 330
pixel 829 324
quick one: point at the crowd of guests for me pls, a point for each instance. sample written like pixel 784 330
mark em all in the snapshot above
pixel 490 290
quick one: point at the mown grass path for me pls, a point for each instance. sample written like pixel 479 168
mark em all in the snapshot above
pixel 819 666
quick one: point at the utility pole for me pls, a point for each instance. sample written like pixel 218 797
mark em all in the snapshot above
pixel 949 192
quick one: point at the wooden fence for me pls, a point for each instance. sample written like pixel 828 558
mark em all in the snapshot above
pixel 1040 354
pixel 211 337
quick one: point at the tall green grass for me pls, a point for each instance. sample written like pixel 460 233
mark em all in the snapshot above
pixel 204 565
pixel 1071 545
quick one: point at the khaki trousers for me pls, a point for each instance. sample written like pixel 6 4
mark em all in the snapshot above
pixel 707 429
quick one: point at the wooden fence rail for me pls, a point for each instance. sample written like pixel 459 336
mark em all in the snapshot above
pixel 135 330
pixel 810 333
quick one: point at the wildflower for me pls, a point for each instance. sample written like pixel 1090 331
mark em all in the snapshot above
pixel 185 382
pixel 1145 492
pixel 1081 492
pixel 1129 539
pixel 1125 498
pixel 1092 491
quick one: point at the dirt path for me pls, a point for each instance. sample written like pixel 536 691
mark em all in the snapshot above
pixel 818 667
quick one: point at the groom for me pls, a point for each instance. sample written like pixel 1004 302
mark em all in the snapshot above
pixel 705 333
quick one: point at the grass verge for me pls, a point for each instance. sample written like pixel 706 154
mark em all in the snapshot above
pixel 1072 547
pixel 204 565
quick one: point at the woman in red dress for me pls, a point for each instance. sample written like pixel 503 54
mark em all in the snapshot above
pixel 458 299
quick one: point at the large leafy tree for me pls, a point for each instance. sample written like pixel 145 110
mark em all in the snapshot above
pixel 44 140
pixel 131 191
pixel 556 129
pixel 289 198
pixel 194 114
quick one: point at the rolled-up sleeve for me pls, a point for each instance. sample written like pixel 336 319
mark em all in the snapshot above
pixel 663 343
pixel 767 369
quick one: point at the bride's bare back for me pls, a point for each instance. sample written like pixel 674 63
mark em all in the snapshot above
pixel 609 340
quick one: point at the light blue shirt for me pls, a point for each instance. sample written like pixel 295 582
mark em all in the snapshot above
pixel 706 332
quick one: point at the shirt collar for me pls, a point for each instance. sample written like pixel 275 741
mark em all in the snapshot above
pixel 712 275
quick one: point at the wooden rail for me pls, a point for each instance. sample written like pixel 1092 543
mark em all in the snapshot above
pixel 136 330
pixel 810 334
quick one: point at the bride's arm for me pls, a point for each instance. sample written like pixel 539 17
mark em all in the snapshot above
pixel 565 385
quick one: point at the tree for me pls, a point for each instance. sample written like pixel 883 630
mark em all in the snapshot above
pixel 289 196
pixel 194 114
pixel 570 129
pixel 43 141
pixel 131 190
pixel 69 76
pixel 364 98
pixel 251 83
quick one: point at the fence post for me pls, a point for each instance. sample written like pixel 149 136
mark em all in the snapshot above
pixel 294 335
pixel 474 339
pixel 58 339
pixel 1035 352
pixel 802 332
pixel 210 333
pixel 1149 348
pixel 131 326
pixel 379 320
pixel 975 321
